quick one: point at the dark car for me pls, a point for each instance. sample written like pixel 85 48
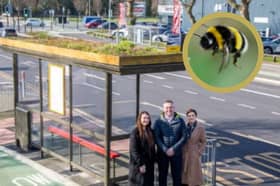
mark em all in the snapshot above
pixel 105 25
pixel 95 23
pixel 143 23
pixel 266 39
pixel 1 25
pixel 9 32
pixel 87 19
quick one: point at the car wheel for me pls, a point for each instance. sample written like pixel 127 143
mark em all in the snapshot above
pixel 121 34
pixel 268 50
pixel 158 39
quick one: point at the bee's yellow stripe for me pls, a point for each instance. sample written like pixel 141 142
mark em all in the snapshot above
pixel 237 36
pixel 218 37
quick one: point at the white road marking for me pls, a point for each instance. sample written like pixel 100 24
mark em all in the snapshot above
pixel 180 113
pixel 94 76
pixel 43 78
pixel 255 138
pixel 260 93
pixel 178 75
pixel 274 82
pixel 268 74
pixel 6 57
pixel 97 77
pixel 146 81
pixel 29 63
pixel 276 113
pixel 96 121
pixel 83 105
pixel 217 99
pixel 124 101
pixel 190 92
pixel 267 81
pixel 167 86
pixel 130 77
pixel 270 65
pixel 246 106
pixel 99 88
pixel 6 83
pixel 155 76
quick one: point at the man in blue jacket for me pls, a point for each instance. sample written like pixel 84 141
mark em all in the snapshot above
pixel 170 135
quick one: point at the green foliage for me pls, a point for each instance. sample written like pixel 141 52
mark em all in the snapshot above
pixel 127 48
pixel 270 58
pixel 39 35
pixel 123 48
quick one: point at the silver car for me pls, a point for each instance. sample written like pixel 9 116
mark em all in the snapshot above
pixel 34 22
pixel 272 46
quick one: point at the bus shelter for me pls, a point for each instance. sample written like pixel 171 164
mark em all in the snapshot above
pixel 91 137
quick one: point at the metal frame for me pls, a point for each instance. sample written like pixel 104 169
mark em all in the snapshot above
pixel 109 70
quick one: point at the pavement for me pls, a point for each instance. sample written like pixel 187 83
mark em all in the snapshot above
pixel 27 167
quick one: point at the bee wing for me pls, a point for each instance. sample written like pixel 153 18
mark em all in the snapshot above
pixel 225 57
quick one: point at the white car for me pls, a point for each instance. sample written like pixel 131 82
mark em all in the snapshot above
pixel 123 33
pixel 160 38
pixel 34 22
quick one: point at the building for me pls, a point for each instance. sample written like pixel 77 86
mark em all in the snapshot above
pixel 263 13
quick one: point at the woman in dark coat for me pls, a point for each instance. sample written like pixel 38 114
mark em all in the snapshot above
pixel 142 152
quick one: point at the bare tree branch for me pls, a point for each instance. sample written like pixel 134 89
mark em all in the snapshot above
pixel 243 8
pixel 189 7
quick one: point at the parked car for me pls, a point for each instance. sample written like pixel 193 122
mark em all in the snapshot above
pixel 105 25
pixel 87 19
pixel 169 37
pixel 123 33
pixel 1 26
pixel 34 22
pixel 162 37
pixel 95 23
pixel 9 32
pixel 272 46
pixel 143 23
pixel 266 39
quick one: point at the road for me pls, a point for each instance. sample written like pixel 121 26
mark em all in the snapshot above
pixel 246 122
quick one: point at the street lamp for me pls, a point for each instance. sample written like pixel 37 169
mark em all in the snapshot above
pixel 63 12
pixel 110 15
pixel 89 12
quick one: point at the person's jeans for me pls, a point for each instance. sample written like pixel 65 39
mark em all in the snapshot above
pixel 176 168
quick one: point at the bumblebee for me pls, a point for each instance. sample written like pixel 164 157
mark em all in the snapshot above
pixel 225 39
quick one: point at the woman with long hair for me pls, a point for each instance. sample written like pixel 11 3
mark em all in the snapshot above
pixel 142 152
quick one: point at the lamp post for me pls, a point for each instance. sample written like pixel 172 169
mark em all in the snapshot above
pixel 89 8
pixel 109 15
pixel 202 9
pixel 63 12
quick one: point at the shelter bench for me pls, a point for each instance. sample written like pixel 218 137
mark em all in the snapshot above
pixel 83 142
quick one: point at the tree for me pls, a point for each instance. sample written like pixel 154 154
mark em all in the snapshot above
pixel 154 7
pixel 97 4
pixel 243 8
pixel 148 8
pixel 188 6
pixel 18 4
pixel 131 18
pixel 80 5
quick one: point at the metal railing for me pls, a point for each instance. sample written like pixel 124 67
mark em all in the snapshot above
pixel 6 96
pixel 208 160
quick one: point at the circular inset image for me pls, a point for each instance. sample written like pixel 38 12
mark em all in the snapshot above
pixel 223 52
